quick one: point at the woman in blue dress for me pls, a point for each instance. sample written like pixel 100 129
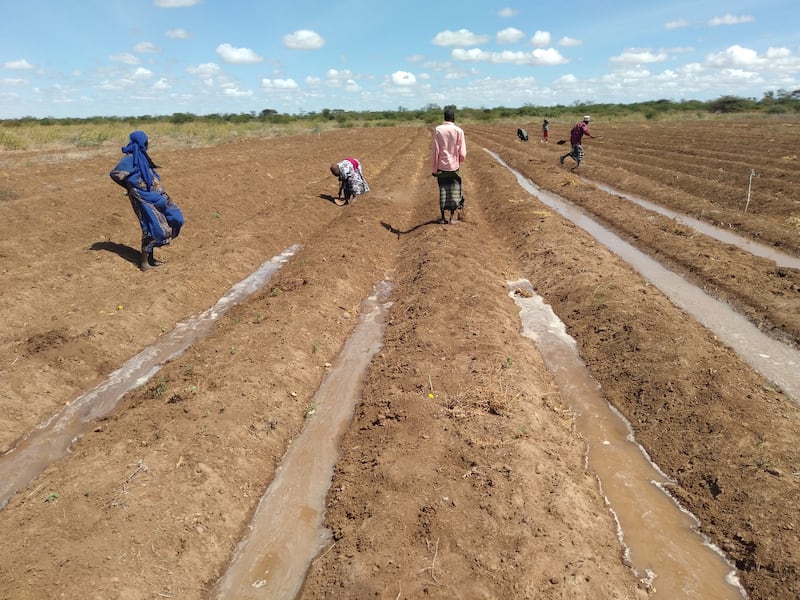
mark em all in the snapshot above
pixel 160 218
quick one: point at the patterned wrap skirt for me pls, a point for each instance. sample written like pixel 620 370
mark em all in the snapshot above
pixel 577 152
pixel 449 189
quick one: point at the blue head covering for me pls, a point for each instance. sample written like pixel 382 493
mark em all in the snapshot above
pixel 141 161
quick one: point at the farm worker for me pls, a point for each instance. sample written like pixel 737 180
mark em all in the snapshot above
pixel 351 180
pixel 580 129
pixel 160 218
pixel 449 150
pixel 545 130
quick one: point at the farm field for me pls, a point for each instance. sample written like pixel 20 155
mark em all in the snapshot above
pixel 461 475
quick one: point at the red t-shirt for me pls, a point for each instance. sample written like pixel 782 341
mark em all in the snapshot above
pixel 578 131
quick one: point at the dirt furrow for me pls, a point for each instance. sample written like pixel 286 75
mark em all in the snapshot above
pixel 673 381
pixel 451 443
pixel 211 426
pixel 461 474
pixel 727 272
pixel 716 192
pixel 98 309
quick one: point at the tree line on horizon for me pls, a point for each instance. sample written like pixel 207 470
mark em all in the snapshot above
pixel 780 102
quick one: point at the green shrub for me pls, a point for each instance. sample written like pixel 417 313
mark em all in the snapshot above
pixel 10 141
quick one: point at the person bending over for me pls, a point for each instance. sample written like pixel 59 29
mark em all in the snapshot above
pixel 351 180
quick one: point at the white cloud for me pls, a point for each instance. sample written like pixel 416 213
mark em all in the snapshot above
pixel 125 58
pixel 352 86
pixel 775 63
pixel 175 3
pixel 109 85
pixel 237 56
pixel 20 64
pixel 506 12
pixel 735 56
pixel 146 48
pixel 778 53
pixel 232 90
pixel 676 24
pixel 692 68
pixel 513 91
pixel 142 73
pixel 636 57
pixel 161 84
pixel 539 56
pixel 403 78
pixel 668 76
pixel 730 19
pixel 279 84
pixel 178 34
pixel 10 81
pixel 632 74
pixel 437 65
pixel 205 70
pixel 472 55
pixel 303 39
pixel 720 72
pixel 510 35
pixel 336 78
pixel 541 38
pixel 462 37
pixel 569 42
pixel 741 76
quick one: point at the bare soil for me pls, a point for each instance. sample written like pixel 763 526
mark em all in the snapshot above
pixel 480 491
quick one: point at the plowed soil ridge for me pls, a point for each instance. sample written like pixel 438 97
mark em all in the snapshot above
pixel 756 287
pixel 461 475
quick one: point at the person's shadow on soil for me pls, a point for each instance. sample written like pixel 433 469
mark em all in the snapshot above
pixel 398 233
pixel 328 197
pixel 130 254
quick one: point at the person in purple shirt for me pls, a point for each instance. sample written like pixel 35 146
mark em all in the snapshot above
pixel 579 130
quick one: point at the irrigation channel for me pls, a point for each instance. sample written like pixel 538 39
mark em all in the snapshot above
pixel 52 439
pixel 774 360
pixel 660 540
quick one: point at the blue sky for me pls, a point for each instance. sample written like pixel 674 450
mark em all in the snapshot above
pixel 82 58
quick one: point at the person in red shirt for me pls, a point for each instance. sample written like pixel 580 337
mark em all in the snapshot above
pixel 579 130
pixel 449 150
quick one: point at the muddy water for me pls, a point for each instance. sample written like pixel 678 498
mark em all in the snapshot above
pixel 287 531
pixel 51 440
pixel 664 549
pixel 774 360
